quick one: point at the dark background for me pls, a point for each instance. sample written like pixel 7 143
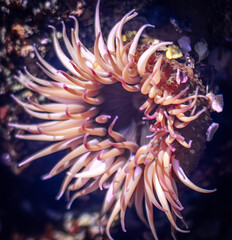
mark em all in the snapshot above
pixel 27 204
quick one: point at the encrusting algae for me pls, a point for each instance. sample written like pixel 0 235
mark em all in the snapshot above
pixel 130 117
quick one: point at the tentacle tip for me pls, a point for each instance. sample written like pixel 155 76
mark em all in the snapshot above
pixel 10 124
pixel 190 143
pixel 58 197
pixel 93 72
pixel 52 27
pixel 18 135
pixel 66 112
pixel 12 96
pixel 70 174
pixel 149 25
pixel 69 205
pixel 45 177
pixel 213 190
pixel 21 164
pixel 115 119
pixel 99 158
pixel 71 16
pixel 64 86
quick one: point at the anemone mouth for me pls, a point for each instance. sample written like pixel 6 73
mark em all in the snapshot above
pixel 121 110
pixel 121 103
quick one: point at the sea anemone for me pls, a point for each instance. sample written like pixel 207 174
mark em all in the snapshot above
pixel 130 117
